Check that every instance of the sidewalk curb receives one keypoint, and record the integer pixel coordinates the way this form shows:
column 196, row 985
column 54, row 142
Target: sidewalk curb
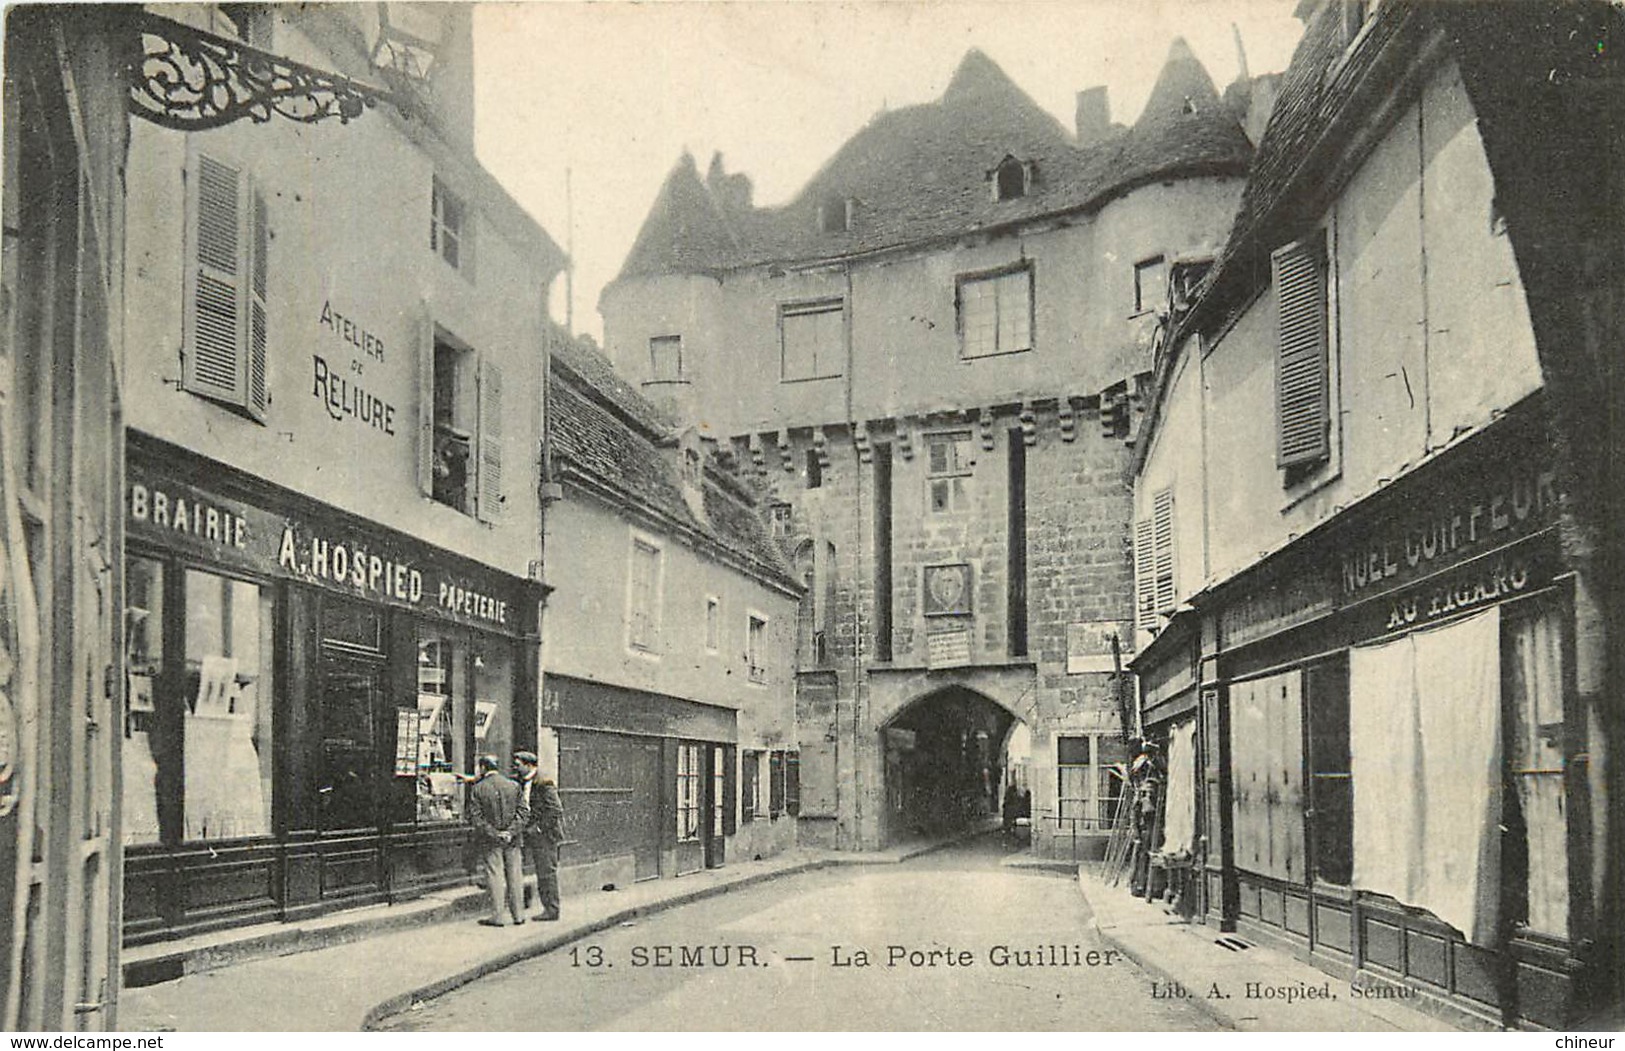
column 1147, row 962
column 402, row 1002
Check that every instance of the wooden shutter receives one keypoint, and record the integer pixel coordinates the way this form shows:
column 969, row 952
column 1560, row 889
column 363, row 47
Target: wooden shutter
column 730, row 789
column 1162, row 516
column 1301, row 397
column 1145, row 603
column 214, row 359
column 425, row 400
column 490, row 450
column 259, row 264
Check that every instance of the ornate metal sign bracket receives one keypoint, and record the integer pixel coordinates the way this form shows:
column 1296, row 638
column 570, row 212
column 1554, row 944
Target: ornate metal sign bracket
column 189, row 80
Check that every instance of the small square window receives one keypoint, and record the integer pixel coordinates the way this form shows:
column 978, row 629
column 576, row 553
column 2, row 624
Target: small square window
column 779, row 517
column 665, row 359
column 949, row 463
column 1150, row 284
column 996, row 312
column 713, row 623
column 812, row 340
column 447, row 225
column 756, row 648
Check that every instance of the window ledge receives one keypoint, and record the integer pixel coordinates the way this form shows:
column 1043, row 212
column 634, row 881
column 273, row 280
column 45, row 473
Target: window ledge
column 810, row 379
column 1304, row 490
column 679, row 382
column 966, row 359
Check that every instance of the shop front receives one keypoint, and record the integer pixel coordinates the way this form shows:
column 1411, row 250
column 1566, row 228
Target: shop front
column 647, row 781
column 302, row 689
column 1403, row 772
column 1168, row 777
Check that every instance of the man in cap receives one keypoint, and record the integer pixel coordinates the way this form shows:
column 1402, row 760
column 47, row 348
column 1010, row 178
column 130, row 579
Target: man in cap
column 542, row 818
column 495, row 813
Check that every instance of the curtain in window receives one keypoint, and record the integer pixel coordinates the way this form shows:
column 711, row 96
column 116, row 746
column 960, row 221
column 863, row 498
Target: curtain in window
column 1534, row 683
column 1179, row 823
column 1425, row 725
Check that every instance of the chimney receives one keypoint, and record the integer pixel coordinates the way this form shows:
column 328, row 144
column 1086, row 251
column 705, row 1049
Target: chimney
column 1093, row 115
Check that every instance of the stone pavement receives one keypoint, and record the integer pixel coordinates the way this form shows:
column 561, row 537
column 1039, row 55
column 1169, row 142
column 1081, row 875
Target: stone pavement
column 349, row 970
column 1188, row 959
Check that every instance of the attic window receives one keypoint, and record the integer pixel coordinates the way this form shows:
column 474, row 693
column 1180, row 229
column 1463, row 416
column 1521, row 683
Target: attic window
column 1188, row 106
column 835, row 215
column 1011, row 179
column 693, row 467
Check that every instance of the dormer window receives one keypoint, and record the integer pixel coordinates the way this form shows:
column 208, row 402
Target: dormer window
column 1011, row 179
column 835, row 214
column 693, row 467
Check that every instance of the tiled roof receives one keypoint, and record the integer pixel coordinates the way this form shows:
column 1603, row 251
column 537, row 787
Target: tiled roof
column 1289, row 173
column 617, row 441
column 920, row 173
column 578, row 356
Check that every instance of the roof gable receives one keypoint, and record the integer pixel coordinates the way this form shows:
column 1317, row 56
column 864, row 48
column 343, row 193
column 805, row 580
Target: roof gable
column 920, row 173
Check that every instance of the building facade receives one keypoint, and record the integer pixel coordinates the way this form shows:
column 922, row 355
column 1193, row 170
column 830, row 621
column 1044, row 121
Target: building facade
column 930, row 359
column 61, row 528
column 1366, row 636
column 336, row 370
column 669, row 693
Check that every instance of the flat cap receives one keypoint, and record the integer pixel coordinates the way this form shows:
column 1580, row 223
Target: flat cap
column 526, row 757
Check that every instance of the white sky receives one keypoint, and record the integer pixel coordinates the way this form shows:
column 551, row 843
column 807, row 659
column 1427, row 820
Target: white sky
column 615, row 91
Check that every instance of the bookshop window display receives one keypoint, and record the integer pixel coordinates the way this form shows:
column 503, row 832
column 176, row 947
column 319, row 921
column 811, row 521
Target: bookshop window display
column 465, row 709
column 199, row 688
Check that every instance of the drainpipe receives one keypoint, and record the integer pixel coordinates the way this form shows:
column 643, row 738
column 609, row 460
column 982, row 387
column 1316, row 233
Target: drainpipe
column 860, row 687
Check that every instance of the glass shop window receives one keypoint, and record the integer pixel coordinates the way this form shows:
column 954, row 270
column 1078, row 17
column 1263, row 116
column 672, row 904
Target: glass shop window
column 228, row 697
column 443, row 745
column 144, row 659
column 465, row 709
column 688, row 792
column 493, row 698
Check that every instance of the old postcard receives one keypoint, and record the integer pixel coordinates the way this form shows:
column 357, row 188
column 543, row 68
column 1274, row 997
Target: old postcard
column 692, row 517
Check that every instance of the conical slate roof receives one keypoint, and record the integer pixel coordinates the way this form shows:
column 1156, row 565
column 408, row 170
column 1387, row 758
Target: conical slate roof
column 922, row 173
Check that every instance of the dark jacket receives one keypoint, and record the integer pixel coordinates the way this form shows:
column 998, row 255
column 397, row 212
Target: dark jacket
column 494, row 808
column 543, row 816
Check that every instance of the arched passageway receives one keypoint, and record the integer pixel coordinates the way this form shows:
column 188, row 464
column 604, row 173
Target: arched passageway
column 945, row 762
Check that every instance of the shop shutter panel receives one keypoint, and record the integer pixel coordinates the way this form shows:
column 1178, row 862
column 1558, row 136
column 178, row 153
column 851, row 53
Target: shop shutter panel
column 730, row 790
column 1301, row 370
column 1162, row 514
column 1145, row 604
column 258, row 391
column 792, row 783
column 425, row 400
column 214, row 289
column 490, row 452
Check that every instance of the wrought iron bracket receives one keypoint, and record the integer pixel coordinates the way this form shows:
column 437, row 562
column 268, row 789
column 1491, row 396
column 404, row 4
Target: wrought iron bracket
column 189, row 80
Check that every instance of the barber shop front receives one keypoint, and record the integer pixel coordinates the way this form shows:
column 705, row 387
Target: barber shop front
column 1405, row 787
column 302, row 687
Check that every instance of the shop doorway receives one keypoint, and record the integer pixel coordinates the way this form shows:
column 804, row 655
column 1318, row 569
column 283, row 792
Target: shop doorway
column 693, row 819
column 716, row 805
column 349, row 771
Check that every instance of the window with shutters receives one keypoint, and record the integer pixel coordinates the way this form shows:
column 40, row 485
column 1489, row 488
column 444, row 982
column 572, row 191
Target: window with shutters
column 462, row 428
column 1154, row 591
column 1302, row 382
column 643, row 597
column 1150, row 284
column 226, row 317
column 812, row 340
column 995, row 311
